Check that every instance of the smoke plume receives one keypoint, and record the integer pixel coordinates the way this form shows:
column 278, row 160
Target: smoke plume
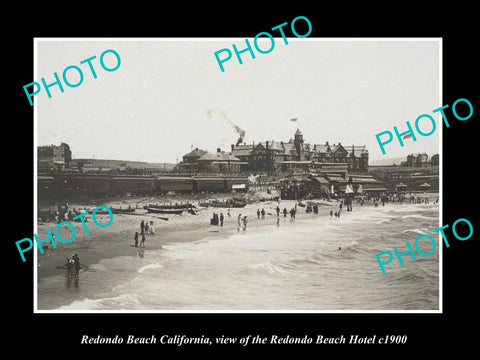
column 222, row 115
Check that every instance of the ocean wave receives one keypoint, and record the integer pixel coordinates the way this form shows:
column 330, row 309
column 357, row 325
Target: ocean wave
column 419, row 231
column 149, row 266
column 388, row 221
column 126, row 301
column 275, row 269
column 418, row 216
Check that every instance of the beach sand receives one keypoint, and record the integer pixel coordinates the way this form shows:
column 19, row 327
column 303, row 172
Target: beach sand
column 118, row 238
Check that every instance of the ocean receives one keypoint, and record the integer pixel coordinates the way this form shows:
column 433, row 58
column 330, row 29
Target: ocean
column 314, row 263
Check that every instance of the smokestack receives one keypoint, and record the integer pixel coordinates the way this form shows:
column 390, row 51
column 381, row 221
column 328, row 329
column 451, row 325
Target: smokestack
column 233, row 147
column 218, row 150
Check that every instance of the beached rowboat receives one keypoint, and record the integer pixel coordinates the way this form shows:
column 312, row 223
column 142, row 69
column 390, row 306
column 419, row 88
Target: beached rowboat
column 226, row 203
column 170, row 206
column 120, row 210
column 164, row 211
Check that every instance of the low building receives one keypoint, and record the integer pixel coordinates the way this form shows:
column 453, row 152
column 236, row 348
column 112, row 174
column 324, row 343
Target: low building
column 418, row 160
column 190, row 160
column 219, row 162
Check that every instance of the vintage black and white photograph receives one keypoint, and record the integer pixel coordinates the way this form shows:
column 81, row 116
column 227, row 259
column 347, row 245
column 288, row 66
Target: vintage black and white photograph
column 169, row 185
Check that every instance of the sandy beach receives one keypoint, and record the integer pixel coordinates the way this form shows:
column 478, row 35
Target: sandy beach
column 189, row 264
column 118, row 238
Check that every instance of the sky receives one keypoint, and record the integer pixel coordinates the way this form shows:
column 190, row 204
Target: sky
column 169, row 95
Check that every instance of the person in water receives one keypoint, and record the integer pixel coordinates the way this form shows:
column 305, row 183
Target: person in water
column 76, row 264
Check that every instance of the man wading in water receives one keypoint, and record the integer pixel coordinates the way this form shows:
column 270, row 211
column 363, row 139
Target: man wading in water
column 76, row 264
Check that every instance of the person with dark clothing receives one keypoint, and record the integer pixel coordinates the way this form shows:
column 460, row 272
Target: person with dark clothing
column 263, row 213
column 142, row 227
column 136, row 238
column 258, row 213
column 221, row 219
column 278, row 211
column 284, row 212
column 142, row 243
column 76, row 263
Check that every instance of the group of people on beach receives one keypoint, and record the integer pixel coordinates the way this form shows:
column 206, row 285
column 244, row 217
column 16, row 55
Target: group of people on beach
column 216, row 219
column 72, row 265
column 293, row 211
column 145, row 228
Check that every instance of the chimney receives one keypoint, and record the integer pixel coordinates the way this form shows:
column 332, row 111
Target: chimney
column 326, row 143
column 218, row 150
column 233, row 147
column 267, row 144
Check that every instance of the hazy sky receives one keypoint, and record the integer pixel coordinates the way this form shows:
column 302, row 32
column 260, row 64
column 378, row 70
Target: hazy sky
column 170, row 94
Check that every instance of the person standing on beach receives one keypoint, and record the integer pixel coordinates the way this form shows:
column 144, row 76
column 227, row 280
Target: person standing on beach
column 146, row 227
column 142, row 243
column 284, row 212
column 136, row 238
column 258, row 213
column 278, row 211
column 152, row 229
column 245, row 223
column 263, row 213
column 141, row 227
column 221, row 219
column 239, row 220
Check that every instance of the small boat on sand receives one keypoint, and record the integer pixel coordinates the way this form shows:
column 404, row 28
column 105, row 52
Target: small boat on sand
column 177, row 206
column 164, row 211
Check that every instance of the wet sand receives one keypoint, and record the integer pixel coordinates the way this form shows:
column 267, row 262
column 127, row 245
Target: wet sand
column 118, row 238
